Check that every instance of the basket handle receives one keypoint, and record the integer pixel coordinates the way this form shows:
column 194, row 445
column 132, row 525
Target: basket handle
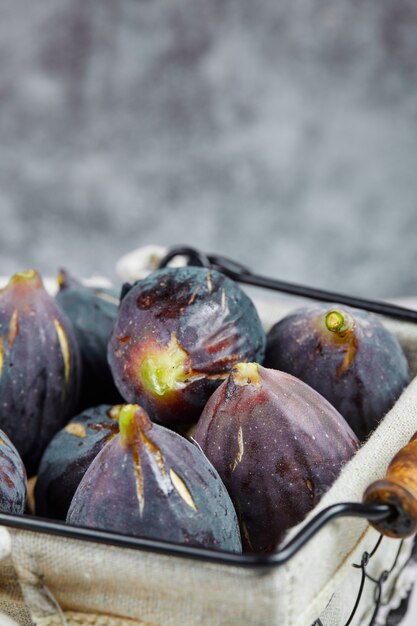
column 399, row 490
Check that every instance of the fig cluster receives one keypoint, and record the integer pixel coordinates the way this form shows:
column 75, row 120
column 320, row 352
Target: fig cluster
column 96, row 389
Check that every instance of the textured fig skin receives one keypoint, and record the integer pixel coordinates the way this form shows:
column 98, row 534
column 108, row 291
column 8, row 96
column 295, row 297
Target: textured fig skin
column 205, row 316
column 40, row 373
column 92, row 312
column 132, row 490
column 68, row 456
column 278, row 446
column 13, row 483
column 362, row 374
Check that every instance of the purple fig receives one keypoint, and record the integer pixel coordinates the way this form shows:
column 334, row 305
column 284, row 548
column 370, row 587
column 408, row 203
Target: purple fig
column 13, row 483
column 68, row 456
column 92, row 312
column 177, row 335
column 151, row 482
column 277, row 445
column 347, row 355
column 39, row 366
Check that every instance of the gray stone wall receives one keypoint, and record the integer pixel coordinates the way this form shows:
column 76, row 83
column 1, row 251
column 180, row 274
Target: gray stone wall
column 283, row 134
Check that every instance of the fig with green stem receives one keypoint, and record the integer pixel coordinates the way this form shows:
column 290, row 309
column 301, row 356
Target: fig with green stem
column 347, row 355
column 177, row 335
column 149, row 481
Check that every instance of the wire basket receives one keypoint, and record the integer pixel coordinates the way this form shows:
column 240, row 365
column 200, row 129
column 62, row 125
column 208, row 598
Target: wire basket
column 347, row 574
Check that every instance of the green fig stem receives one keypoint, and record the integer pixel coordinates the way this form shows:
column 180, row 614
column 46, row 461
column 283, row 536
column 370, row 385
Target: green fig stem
column 338, row 321
column 133, row 420
column 166, row 368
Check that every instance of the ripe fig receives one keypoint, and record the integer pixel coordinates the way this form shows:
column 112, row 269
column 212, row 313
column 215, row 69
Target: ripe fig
column 277, row 445
column 347, row 355
column 68, row 456
column 92, row 312
column 13, row 483
column 177, row 335
column 39, row 366
column 151, row 482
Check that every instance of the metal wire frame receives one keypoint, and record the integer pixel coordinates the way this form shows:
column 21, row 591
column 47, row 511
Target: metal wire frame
column 378, row 582
column 370, row 512
column 252, row 561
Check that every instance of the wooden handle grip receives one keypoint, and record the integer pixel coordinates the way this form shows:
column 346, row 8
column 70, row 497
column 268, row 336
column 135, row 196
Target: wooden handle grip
column 398, row 489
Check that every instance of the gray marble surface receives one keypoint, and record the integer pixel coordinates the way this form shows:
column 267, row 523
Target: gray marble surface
column 282, row 134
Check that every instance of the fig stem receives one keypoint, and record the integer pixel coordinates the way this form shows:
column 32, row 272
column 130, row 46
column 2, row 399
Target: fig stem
column 338, row 321
column 246, row 374
column 23, row 278
column 166, row 368
column 133, row 420
column 27, row 275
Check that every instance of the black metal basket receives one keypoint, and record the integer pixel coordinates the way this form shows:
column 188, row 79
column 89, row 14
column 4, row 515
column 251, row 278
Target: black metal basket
column 373, row 513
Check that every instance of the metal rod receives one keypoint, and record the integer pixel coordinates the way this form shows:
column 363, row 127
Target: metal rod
column 242, row 274
column 374, row 306
column 257, row 561
column 348, row 509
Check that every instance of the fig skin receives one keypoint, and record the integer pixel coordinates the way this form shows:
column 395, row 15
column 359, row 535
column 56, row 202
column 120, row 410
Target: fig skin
column 177, row 335
column 151, row 482
column 92, row 312
column 13, row 482
column 40, row 366
column 277, row 445
column 351, row 359
column 68, row 456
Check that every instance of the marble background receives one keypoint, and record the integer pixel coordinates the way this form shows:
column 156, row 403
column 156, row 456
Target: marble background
column 282, row 134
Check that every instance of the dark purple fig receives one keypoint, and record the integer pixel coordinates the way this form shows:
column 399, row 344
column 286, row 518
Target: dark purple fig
column 13, row 484
column 68, row 456
column 151, row 482
column 92, row 312
column 177, row 335
column 277, row 445
column 347, row 355
column 39, row 366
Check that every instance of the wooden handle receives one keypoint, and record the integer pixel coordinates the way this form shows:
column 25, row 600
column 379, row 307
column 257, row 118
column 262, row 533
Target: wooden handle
column 398, row 489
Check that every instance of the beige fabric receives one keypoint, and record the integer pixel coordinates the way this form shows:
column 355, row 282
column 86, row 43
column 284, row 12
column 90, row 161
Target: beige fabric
column 60, row 577
column 5, row 620
column 11, row 598
column 71, row 618
column 91, row 578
